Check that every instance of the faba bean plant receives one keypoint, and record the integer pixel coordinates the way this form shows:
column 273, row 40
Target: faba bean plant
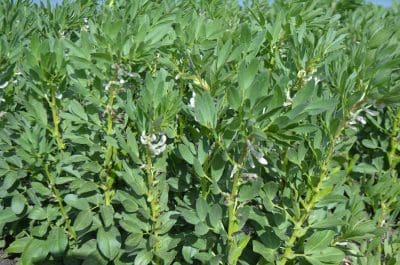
column 200, row 132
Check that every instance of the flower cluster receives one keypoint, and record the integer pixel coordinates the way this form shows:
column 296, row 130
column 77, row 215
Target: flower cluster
column 358, row 118
column 156, row 146
column 259, row 156
column 122, row 75
column 85, row 26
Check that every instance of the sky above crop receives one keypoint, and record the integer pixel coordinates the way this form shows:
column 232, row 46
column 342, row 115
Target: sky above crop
column 381, row 2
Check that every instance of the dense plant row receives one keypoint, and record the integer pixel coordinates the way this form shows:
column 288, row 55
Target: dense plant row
column 200, row 132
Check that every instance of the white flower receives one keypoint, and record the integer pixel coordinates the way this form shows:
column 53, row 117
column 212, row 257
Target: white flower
column 151, row 141
column 361, row 120
column 317, row 80
column 380, row 105
column 259, row 156
column 2, row 113
column 133, row 75
column 192, row 101
column 109, row 84
column 372, row 112
column 4, row 85
column 308, row 78
column 59, row 96
column 289, row 99
column 357, row 118
column 250, row 176
column 234, row 170
column 301, row 74
column 251, row 162
column 120, row 73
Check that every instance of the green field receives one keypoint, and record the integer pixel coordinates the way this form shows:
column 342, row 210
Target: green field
column 199, row 132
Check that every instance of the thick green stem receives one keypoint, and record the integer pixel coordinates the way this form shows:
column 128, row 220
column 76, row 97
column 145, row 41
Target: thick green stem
column 153, row 198
column 57, row 195
column 232, row 207
column 110, row 150
column 393, row 158
column 56, row 122
column 312, row 198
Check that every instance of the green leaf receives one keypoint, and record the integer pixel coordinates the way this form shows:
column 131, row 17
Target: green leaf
column 201, row 229
column 132, row 145
column 18, row 203
column 58, row 241
column 235, row 97
column 107, row 215
column 319, row 240
column 205, row 111
column 190, row 216
column 18, row 245
column 35, row 251
column 247, row 74
column 304, row 95
column 8, row 181
column 78, row 203
column 109, row 242
column 76, row 108
column 133, row 179
column 380, row 37
column 234, row 255
column 223, row 53
column 37, row 109
column 188, row 253
column 185, row 153
column 144, row 257
column 321, row 105
column 201, row 208
column 370, row 144
column 37, row 213
column 217, row 167
column 215, row 215
column 328, row 255
column 249, row 191
column 83, row 220
column 268, row 254
column 365, row 168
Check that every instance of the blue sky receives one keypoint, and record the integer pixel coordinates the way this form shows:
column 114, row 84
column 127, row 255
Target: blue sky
column 381, row 2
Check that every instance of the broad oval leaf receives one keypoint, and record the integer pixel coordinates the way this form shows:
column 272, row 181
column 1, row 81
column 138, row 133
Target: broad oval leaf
column 109, row 242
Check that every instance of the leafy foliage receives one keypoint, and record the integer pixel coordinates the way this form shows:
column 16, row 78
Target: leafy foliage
column 200, row 132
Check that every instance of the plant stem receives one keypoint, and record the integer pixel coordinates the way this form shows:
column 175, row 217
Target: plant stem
column 56, row 121
column 57, row 195
column 393, row 158
column 110, row 150
column 232, row 208
column 153, row 197
column 312, row 198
